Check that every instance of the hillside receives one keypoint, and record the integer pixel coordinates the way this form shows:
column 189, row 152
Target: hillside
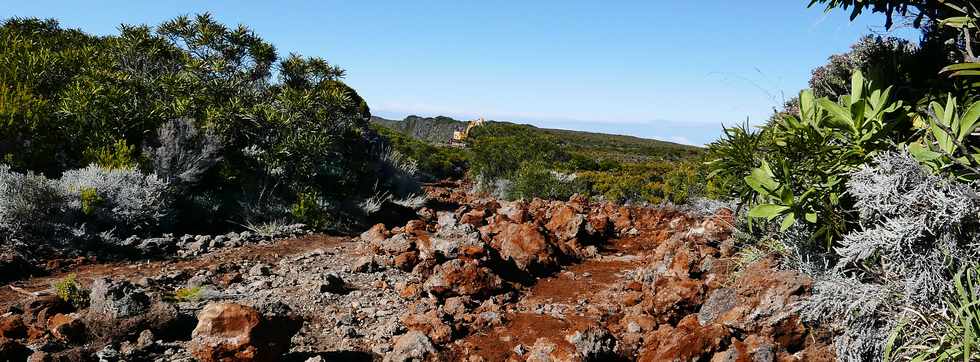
column 620, row 148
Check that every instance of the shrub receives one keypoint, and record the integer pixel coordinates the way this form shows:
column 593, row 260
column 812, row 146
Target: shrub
column 917, row 232
column 29, row 203
column 71, row 291
column 130, row 200
column 534, row 179
column 182, row 153
column 188, row 294
column 117, row 155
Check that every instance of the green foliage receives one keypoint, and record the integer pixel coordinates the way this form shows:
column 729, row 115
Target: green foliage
column 116, row 155
column 954, row 336
column 69, row 99
column 948, row 146
column 733, row 157
column 652, row 182
column 535, row 179
column 499, row 149
column 310, row 209
column 437, row 162
column 814, row 151
column 90, row 200
column 188, row 294
column 71, row 291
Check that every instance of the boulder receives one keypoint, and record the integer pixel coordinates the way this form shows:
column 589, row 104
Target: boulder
column 452, row 241
column 395, row 245
column 232, row 332
column 67, row 327
column 365, row 264
column 11, row 350
column 413, row 346
column 332, row 283
column 719, row 302
column 431, row 323
column 462, row 277
column 526, row 246
column 13, row 327
column 117, row 299
column 566, row 223
column 375, row 234
column 594, row 344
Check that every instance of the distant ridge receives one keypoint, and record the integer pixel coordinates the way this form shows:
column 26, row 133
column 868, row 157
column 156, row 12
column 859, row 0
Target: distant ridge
column 439, row 130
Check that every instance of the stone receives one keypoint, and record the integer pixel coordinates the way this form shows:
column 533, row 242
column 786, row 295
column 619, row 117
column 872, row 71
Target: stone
column 13, row 327
column 375, row 234
column 413, row 346
column 117, row 299
column 11, row 350
column 462, row 277
column 406, row 260
column 565, row 223
column 365, row 264
column 719, row 302
column 444, row 219
column 594, row 344
column 431, row 323
column 332, row 283
column 259, row 270
column 67, row 327
column 234, row 332
column 450, row 241
column 395, row 245
column 526, row 246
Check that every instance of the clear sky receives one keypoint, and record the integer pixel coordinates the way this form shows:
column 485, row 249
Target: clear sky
column 671, row 70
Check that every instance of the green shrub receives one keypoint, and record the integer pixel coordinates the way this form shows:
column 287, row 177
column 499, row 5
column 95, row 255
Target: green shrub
column 116, row 155
column 69, row 290
column 90, row 199
column 535, row 179
column 188, row 294
column 803, row 173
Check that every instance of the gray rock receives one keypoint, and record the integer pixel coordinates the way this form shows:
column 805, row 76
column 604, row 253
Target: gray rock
column 413, row 346
column 117, row 299
column 445, row 218
column 259, row 270
column 720, row 300
column 594, row 344
column 332, row 283
column 397, row 244
column 448, row 241
column 365, row 264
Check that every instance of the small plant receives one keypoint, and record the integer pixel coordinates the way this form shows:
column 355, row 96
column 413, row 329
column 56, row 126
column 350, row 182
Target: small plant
column 115, row 156
column 90, row 200
column 188, row 294
column 268, row 229
column 69, row 290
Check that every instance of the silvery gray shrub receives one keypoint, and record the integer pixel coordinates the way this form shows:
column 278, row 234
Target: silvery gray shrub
column 27, row 202
column 130, row 200
column 917, row 228
column 182, row 153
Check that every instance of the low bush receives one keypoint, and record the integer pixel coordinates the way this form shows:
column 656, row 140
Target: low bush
column 71, row 291
column 535, row 179
column 122, row 198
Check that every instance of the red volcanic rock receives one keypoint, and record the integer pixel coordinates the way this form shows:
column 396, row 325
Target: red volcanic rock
column 566, row 223
column 376, row 234
column 473, row 217
column 686, row 342
column 406, row 261
column 431, row 323
column 673, row 295
column 67, row 327
column 232, row 332
column 462, row 277
column 13, row 327
column 526, row 245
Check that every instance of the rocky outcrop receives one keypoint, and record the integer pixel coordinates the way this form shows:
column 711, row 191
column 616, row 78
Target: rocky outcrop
column 232, row 332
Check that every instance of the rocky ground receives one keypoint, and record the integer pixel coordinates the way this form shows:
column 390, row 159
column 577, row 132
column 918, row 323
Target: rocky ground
column 470, row 279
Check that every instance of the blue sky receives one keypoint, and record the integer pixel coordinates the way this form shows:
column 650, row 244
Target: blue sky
column 671, row 70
